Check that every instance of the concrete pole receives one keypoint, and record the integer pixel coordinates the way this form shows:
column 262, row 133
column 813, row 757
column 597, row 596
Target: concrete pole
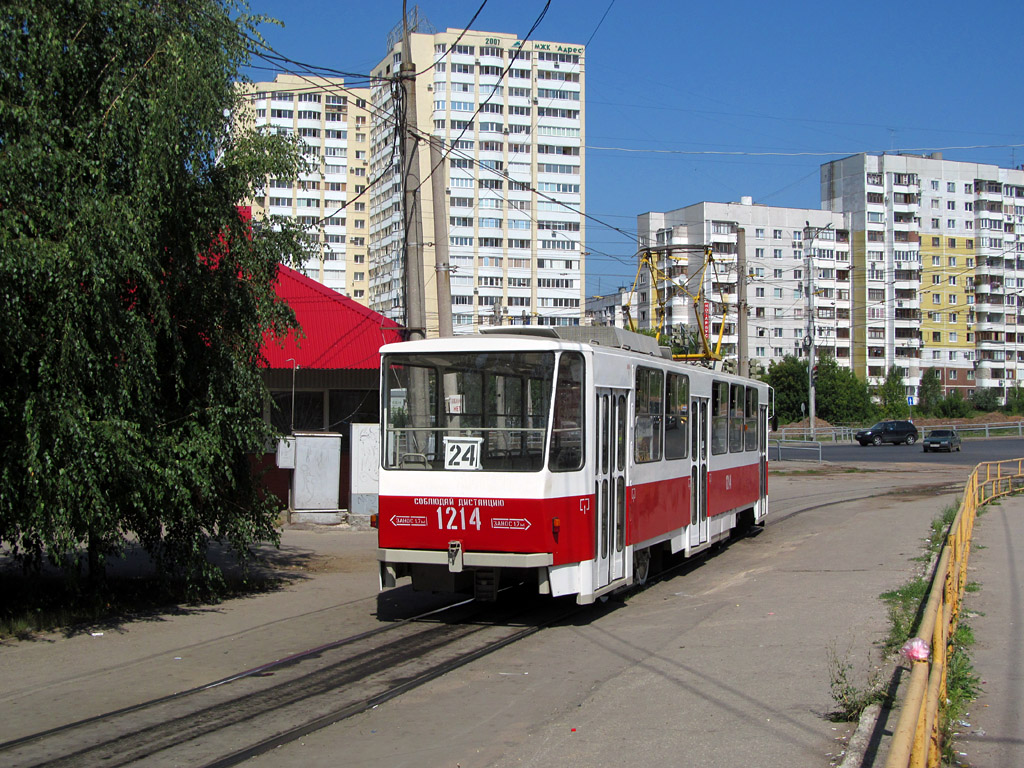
column 442, row 269
column 742, row 350
column 810, row 332
column 415, row 299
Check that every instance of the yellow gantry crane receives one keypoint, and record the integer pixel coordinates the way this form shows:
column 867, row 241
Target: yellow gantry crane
column 648, row 261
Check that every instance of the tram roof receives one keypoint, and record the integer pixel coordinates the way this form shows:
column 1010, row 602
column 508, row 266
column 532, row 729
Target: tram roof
column 542, row 337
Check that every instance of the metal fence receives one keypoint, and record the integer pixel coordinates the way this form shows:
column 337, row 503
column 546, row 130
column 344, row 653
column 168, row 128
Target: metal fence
column 800, row 446
column 845, row 434
column 916, row 740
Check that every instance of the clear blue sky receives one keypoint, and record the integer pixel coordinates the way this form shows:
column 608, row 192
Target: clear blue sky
column 741, row 76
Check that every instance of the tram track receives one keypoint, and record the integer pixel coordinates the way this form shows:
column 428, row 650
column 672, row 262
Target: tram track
column 230, row 720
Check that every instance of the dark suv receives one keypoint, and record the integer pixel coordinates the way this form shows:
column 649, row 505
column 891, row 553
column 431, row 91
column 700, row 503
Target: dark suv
column 888, row 432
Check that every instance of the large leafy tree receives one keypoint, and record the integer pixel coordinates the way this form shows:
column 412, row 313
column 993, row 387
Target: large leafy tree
column 892, row 395
column 788, row 377
column 841, row 398
column 930, row 391
column 135, row 297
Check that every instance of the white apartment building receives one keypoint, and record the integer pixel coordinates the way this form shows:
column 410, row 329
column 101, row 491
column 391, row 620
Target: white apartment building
column 938, row 256
column 332, row 122
column 611, row 309
column 511, row 117
column 798, row 276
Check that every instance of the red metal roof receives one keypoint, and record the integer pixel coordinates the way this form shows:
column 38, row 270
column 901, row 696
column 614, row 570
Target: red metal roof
column 339, row 332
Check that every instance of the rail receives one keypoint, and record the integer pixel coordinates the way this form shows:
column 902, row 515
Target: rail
column 796, row 445
column 916, row 740
column 845, row 434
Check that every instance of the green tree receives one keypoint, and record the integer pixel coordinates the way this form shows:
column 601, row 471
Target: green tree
column 953, row 406
column 929, row 393
column 841, row 398
column 1014, row 400
column 788, row 377
column 892, row 395
column 135, row 297
column 985, row 400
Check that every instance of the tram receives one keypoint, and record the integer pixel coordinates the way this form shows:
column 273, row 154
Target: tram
column 573, row 456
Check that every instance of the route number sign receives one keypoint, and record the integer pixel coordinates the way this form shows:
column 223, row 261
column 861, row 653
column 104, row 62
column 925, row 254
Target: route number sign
column 462, row 452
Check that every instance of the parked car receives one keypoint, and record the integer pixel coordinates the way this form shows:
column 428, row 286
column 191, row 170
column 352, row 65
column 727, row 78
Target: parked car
column 888, row 432
column 941, row 440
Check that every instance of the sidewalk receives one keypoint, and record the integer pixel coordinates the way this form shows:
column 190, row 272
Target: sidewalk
column 992, row 735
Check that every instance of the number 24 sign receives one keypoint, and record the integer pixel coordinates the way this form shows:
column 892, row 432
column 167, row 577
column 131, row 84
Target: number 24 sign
column 462, row 452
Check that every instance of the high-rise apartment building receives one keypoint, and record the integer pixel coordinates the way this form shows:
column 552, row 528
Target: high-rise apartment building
column 333, row 124
column 798, row 276
column 938, row 257
column 510, row 115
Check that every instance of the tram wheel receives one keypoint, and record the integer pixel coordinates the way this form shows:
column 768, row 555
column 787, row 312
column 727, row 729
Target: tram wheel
column 641, row 565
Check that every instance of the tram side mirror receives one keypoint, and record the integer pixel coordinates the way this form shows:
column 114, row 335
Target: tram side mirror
column 775, row 423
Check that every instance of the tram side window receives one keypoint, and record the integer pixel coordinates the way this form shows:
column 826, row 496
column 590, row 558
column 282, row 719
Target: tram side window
column 719, row 417
column 650, row 409
column 677, row 399
column 736, row 422
column 411, row 406
column 751, row 419
column 566, row 452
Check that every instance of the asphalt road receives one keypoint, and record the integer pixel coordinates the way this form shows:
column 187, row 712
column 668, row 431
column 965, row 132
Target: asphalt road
column 975, row 451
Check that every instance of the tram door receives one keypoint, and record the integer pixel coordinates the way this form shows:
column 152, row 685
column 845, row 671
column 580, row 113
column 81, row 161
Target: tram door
column 762, row 459
column 610, row 492
column 700, row 446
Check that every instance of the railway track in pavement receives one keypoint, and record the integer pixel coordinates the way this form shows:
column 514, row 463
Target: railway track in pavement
column 228, row 721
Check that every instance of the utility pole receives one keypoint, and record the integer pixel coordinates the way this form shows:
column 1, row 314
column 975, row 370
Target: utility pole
column 415, row 299
column 742, row 350
column 442, row 269
column 809, row 338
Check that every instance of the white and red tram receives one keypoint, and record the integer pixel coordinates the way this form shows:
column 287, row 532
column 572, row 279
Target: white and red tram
column 526, row 453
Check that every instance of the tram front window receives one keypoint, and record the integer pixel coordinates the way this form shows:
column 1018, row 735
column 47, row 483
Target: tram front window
column 467, row 411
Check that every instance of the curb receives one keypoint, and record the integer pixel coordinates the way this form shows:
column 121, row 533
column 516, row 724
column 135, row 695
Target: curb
column 861, row 738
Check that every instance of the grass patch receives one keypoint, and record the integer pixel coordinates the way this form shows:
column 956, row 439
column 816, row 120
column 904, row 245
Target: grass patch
column 972, row 586
column 904, row 605
column 851, row 698
column 940, row 527
column 962, row 687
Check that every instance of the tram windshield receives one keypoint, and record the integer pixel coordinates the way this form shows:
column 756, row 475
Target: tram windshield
column 481, row 411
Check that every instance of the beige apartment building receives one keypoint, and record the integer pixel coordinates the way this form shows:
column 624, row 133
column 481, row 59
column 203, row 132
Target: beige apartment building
column 510, row 115
column 330, row 199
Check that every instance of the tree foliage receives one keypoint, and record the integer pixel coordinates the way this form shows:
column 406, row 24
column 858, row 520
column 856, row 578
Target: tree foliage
column 892, row 395
column 840, row 397
column 135, row 299
column 985, row 399
column 788, row 377
column 929, row 392
column 1014, row 400
column 953, row 406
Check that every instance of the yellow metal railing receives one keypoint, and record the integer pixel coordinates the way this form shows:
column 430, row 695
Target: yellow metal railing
column 916, row 739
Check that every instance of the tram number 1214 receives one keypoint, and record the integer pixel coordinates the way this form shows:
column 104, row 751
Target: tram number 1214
column 456, row 518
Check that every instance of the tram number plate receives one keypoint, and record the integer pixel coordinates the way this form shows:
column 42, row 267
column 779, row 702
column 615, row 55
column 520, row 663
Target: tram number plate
column 452, row 519
column 462, row 452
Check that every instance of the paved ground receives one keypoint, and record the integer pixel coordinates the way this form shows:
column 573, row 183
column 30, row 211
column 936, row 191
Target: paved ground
column 727, row 664
column 993, row 731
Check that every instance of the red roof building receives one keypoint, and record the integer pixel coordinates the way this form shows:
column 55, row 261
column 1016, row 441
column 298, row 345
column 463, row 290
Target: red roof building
column 322, row 380
column 337, row 332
